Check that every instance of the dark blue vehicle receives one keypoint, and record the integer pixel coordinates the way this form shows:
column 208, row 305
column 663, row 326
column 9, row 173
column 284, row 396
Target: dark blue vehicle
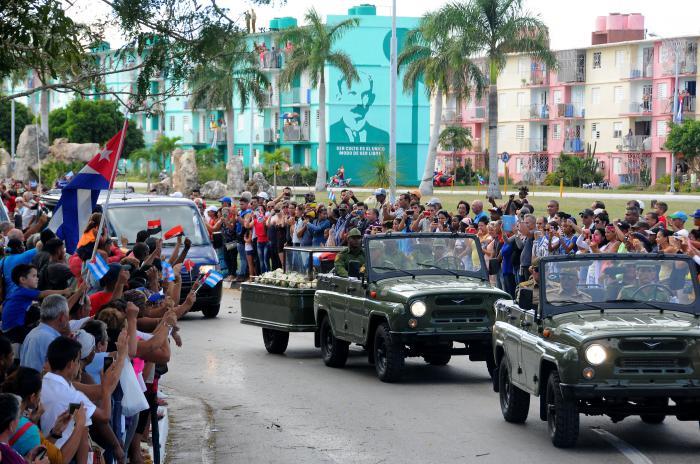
column 128, row 214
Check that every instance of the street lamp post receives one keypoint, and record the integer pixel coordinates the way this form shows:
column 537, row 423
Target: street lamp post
column 392, row 105
column 676, row 45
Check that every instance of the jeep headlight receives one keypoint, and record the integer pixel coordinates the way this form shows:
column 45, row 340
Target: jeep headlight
column 418, row 308
column 596, row 354
column 203, row 269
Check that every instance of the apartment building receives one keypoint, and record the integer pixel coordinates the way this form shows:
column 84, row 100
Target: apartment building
column 614, row 97
column 357, row 116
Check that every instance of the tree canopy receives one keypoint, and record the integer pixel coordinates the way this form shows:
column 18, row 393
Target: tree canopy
column 685, row 138
column 93, row 121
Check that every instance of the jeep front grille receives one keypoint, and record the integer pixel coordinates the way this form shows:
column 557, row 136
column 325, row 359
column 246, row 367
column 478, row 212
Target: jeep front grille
column 475, row 316
column 459, row 300
column 653, row 365
column 652, row 344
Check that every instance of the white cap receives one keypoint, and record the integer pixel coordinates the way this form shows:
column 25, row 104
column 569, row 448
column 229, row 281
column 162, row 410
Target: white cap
column 211, row 209
column 641, row 203
column 597, row 211
column 176, row 194
column 87, row 343
column 263, row 195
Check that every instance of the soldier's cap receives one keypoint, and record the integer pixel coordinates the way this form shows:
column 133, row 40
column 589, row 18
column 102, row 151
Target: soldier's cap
column 569, row 268
column 354, row 232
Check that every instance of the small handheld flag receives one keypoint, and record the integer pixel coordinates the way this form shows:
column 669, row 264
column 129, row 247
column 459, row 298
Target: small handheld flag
column 98, row 267
column 174, row 232
column 331, row 195
column 168, row 272
column 189, row 265
column 154, row 227
column 212, row 278
column 482, row 181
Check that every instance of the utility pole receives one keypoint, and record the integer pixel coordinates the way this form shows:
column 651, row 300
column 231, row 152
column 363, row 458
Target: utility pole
column 392, row 105
column 250, row 142
column 12, row 135
column 676, row 46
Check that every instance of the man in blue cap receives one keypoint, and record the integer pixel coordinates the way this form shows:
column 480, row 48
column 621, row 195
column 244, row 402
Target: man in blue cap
column 226, row 202
column 678, row 223
column 696, row 218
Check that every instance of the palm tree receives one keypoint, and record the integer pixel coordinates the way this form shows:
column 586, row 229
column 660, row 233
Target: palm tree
column 165, row 146
column 433, row 56
column 312, row 51
column 275, row 160
column 149, row 156
column 233, row 73
column 496, row 28
column 456, row 138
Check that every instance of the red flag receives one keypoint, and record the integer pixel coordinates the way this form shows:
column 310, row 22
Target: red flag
column 103, row 163
column 174, row 232
column 154, row 226
column 189, row 265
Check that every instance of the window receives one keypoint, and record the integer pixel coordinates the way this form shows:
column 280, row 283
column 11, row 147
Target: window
column 318, row 118
column 661, row 127
column 618, row 93
column 620, row 57
column 521, row 98
column 617, row 130
column 595, row 130
column 520, row 165
column 277, row 123
column 240, row 152
column 519, row 132
column 662, row 90
column 556, row 95
column 556, row 131
column 186, row 124
column 202, row 127
column 596, row 60
column 307, row 116
column 617, row 165
column 595, row 95
column 171, row 123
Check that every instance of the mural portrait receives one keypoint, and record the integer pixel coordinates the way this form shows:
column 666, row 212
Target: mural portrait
column 354, row 125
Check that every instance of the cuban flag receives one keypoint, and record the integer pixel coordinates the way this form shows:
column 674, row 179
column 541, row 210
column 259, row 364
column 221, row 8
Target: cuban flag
column 679, row 115
column 212, row 278
column 482, row 181
column 79, row 197
column 168, row 272
column 98, row 267
column 331, row 195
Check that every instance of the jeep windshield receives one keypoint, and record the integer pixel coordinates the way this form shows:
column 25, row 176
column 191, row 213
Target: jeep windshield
column 622, row 281
column 129, row 219
column 424, row 254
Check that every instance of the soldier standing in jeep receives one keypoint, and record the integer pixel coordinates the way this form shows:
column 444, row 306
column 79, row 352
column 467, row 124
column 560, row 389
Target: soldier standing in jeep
column 352, row 254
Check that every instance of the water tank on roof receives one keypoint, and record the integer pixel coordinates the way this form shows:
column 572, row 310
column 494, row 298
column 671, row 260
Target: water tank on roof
column 352, row 11
column 615, row 22
column 274, row 24
column 600, row 23
column 366, row 9
column 635, row 21
column 286, row 22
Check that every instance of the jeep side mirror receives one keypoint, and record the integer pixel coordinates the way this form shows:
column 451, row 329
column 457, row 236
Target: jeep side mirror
column 525, row 298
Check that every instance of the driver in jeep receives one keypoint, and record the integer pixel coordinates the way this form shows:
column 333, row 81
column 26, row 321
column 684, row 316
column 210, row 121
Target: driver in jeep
column 568, row 287
column 647, row 287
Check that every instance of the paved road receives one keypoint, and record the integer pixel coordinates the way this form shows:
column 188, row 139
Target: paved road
column 231, row 402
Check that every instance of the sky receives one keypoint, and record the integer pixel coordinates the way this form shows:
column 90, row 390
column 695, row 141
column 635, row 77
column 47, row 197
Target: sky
column 570, row 21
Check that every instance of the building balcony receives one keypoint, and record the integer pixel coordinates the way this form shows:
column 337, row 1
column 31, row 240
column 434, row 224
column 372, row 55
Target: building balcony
column 569, row 110
column 271, row 60
column 663, row 105
column 295, row 133
column 450, row 116
column 534, row 111
column 266, row 135
column 636, row 108
column 634, row 143
column 294, row 97
column 474, row 113
column 689, row 104
column 574, row 145
column 476, row 146
column 534, row 144
column 639, row 73
column 150, row 137
column 537, row 76
column 270, row 100
column 208, row 136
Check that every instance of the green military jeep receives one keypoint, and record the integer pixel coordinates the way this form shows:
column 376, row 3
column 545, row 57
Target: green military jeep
column 614, row 334
column 417, row 295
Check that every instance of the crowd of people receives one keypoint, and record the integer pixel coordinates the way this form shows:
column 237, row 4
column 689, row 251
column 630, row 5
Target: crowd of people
column 250, row 236
column 82, row 352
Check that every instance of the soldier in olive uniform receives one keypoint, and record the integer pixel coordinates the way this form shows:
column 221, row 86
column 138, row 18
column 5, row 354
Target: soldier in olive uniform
column 352, row 254
column 533, row 283
column 647, row 287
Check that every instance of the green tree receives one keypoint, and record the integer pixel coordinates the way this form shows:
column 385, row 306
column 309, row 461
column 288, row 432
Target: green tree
column 494, row 29
column 232, row 74
column 456, row 139
column 276, row 160
column 164, row 147
column 432, row 56
column 148, row 156
column 22, row 117
column 90, row 121
column 313, row 50
column 685, row 139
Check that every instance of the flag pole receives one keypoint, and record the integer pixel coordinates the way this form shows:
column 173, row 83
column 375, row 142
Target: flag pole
column 109, row 189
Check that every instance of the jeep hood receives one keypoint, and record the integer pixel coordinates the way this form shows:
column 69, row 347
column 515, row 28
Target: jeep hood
column 584, row 325
column 402, row 289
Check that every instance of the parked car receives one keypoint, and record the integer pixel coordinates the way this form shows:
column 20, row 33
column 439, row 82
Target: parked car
column 626, row 345
column 128, row 214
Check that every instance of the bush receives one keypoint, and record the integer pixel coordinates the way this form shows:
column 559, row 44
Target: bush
column 53, row 170
column 294, row 176
column 552, row 178
column 663, row 184
column 211, row 172
column 628, row 187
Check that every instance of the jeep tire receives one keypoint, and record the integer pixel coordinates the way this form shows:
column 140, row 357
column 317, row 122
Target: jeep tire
column 333, row 351
column 439, row 356
column 515, row 403
column 655, row 419
column 389, row 355
column 562, row 415
column 210, row 312
column 276, row 341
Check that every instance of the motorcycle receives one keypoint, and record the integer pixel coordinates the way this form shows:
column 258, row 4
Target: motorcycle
column 338, row 182
column 442, row 180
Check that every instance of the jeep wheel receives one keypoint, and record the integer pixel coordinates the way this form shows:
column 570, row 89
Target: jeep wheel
column 491, row 367
column 210, row 311
column 562, row 415
column 333, row 351
column 437, row 359
column 515, row 403
column 276, row 341
column 388, row 355
column 655, row 419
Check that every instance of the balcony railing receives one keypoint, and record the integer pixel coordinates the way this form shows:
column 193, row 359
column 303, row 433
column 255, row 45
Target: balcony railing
column 150, row 137
column 270, row 100
column 689, row 104
column 570, row 110
column 634, row 143
column 271, row 60
column 448, row 116
column 536, row 144
column 474, row 112
column 574, row 145
column 641, row 72
column 537, row 75
column 534, row 111
column 296, row 133
column 266, row 135
column 636, row 107
column 476, row 146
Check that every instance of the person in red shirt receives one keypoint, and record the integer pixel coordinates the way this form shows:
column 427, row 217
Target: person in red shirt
column 112, row 285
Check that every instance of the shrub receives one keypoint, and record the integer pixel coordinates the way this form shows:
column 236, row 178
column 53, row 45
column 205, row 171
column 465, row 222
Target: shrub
column 552, row 178
column 216, row 171
column 53, row 170
column 294, row 176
